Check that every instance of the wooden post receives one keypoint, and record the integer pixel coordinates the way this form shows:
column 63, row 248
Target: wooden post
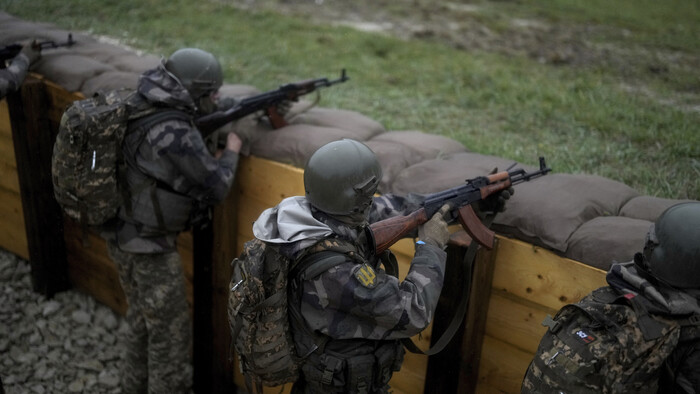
column 443, row 368
column 202, row 312
column 213, row 251
column 475, row 323
column 33, row 137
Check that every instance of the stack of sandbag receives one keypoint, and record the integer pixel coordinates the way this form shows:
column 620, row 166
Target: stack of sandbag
column 587, row 218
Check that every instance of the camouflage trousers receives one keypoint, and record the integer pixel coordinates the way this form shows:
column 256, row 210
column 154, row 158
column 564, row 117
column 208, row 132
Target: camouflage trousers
column 156, row 345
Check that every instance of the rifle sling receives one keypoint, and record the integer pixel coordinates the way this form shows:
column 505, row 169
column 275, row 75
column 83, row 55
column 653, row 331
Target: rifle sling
column 461, row 311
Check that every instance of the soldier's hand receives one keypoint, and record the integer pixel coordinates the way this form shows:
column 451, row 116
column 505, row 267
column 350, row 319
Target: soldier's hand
column 496, row 202
column 434, row 231
column 284, row 107
column 31, row 51
column 233, row 142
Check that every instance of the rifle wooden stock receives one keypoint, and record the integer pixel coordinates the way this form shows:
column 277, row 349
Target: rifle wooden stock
column 387, row 232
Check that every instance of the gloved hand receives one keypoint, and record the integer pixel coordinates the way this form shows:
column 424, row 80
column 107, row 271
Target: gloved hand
column 495, row 202
column 283, row 107
column 434, row 231
column 32, row 53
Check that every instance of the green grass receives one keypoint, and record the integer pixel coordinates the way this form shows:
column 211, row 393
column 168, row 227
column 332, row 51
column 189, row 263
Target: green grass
column 584, row 120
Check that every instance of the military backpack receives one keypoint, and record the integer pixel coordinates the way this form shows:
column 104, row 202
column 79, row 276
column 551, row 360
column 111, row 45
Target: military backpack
column 605, row 343
column 259, row 309
column 87, row 154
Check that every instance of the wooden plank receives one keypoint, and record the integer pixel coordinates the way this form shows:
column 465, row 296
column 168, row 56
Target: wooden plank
column 475, row 322
column 8, row 166
column 516, row 321
column 33, row 140
column 536, row 274
column 269, row 181
column 91, row 270
column 5, row 125
column 499, row 374
column 12, row 235
column 59, row 99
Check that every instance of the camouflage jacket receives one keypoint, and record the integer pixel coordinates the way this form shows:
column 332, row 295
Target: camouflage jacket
column 681, row 372
column 174, row 158
column 11, row 77
column 354, row 300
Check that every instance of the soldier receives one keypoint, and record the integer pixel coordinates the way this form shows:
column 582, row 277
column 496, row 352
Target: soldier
column 11, row 77
column 351, row 315
column 667, row 276
column 651, row 310
column 171, row 176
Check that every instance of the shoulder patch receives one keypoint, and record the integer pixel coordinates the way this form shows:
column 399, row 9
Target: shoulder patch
column 366, row 276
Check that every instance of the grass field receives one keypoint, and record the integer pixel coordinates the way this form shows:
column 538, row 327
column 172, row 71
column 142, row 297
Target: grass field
column 598, row 87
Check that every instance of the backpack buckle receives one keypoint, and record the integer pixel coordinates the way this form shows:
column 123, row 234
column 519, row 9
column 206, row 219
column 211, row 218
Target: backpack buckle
column 331, row 365
column 552, row 324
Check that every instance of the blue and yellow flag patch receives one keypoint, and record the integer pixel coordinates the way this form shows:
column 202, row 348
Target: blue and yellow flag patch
column 366, row 276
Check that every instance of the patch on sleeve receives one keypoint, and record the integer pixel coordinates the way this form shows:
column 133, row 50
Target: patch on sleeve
column 366, row 275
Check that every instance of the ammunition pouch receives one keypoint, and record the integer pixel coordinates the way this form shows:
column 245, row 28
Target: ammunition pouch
column 332, row 372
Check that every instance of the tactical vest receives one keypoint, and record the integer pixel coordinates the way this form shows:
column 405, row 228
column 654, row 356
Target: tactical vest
column 148, row 198
column 339, row 366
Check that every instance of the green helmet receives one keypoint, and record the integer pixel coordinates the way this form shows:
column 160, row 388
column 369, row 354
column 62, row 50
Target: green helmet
column 341, row 177
column 672, row 250
column 198, row 71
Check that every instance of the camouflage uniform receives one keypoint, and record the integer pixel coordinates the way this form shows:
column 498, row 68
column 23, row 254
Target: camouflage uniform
column 169, row 172
column 11, row 77
column 354, row 309
column 681, row 370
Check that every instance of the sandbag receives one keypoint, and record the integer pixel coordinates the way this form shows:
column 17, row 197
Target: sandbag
column 648, row 207
column 294, row 144
column 547, row 210
column 69, row 71
column 361, row 126
column 426, row 146
column 430, row 176
column 393, row 158
column 606, row 239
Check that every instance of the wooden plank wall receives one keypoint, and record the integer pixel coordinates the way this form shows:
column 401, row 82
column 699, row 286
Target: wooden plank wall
column 528, row 283
column 12, row 235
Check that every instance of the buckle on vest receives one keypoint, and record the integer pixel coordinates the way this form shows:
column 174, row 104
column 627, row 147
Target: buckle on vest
column 331, row 365
column 694, row 320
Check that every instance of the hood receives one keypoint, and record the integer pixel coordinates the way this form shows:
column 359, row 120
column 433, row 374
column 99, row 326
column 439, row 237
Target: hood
column 289, row 222
column 162, row 88
column 659, row 298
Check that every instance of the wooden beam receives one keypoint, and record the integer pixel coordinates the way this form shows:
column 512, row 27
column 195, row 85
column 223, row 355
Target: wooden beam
column 33, row 139
column 475, row 323
column 443, row 368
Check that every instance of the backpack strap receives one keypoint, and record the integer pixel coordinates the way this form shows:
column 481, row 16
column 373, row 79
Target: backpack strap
column 309, row 266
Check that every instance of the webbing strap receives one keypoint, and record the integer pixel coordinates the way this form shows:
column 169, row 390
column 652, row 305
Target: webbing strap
column 461, row 311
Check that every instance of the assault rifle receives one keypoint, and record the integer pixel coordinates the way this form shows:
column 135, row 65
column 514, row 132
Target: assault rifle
column 10, row 51
column 267, row 101
column 386, row 232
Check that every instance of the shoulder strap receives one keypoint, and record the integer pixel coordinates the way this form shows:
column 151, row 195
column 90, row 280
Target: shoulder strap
column 159, row 115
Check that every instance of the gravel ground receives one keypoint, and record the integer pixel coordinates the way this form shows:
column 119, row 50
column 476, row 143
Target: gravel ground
column 62, row 345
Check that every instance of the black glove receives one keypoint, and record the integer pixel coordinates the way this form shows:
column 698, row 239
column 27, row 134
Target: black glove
column 496, row 202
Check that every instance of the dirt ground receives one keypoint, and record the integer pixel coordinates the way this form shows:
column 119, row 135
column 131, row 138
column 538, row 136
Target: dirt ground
column 459, row 24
